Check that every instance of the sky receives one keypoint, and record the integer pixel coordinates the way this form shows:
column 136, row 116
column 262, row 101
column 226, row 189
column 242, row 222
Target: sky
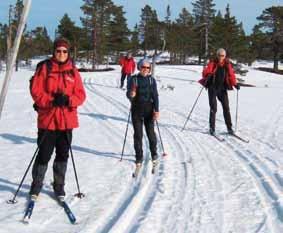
column 245, row 11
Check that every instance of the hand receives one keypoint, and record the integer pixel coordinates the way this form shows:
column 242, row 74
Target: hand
column 133, row 94
column 60, row 100
column 156, row 116
column 209, row 80
column 237, row 86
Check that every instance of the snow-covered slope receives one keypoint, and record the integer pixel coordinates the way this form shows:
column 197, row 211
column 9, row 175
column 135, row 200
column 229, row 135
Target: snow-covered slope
column 203, row 185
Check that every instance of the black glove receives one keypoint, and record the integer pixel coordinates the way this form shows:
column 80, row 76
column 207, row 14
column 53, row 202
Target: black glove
column 60, row 100
column 209, row 80
column 237, row 86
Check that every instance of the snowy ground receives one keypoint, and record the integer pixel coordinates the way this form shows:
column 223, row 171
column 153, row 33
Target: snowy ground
column 203, row 185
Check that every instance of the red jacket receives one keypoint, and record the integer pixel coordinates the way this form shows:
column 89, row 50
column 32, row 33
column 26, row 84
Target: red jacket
column 128, row 65
column 63, row 78
column 210, row 69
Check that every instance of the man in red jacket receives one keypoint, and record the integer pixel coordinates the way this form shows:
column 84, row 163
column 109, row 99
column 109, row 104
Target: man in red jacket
column 218, row 77
column 128, row 67
column 57, row 91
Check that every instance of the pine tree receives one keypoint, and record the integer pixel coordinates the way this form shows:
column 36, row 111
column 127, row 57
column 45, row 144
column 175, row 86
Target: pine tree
column 203, row 11
column 259, row 43
column 271, row 20
column 96, row 23
column 71, row 32
column 41, row 42
column 118, row 37
column 150, row 29
column 134, row 42
column 227, row 33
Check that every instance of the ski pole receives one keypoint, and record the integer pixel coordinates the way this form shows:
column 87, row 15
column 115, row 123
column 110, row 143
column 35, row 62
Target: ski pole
column 164, row 154
column 237, row 105
column 192, row 108
column 79, row 194
column 13, row 200
column 125, row 136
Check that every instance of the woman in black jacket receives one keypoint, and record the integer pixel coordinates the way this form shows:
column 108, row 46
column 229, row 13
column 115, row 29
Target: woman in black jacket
column 143, row 94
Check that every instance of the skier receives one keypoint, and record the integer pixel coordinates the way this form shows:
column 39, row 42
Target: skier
column 57, row 91
column 143, row 94
column 128, row 67
column 218, row 77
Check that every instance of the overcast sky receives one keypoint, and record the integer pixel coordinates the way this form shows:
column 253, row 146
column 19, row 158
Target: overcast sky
column 49, row 12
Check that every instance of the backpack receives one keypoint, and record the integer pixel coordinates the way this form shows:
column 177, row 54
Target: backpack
column 38, row 69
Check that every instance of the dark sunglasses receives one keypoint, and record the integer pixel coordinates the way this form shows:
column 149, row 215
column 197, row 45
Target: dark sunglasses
column 221, row 55
column 61, row 51
column 146, row 67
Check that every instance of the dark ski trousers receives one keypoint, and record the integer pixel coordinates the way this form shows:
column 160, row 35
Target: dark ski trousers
column 222, row 96
column 123, row 77
column 142, row 114
column 59, row 140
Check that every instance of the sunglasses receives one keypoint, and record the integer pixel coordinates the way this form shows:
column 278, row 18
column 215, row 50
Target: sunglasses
column 146, row 67
column 221, row 55
column 61, row 51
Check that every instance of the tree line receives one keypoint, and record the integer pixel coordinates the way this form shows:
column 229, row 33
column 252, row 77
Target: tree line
column 104, row 33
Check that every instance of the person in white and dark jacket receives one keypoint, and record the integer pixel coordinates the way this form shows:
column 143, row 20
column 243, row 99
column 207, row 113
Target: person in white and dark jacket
column 143, row 94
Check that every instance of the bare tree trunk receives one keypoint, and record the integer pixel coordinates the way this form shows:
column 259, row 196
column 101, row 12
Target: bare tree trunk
column 276, row 57
column 12, row 58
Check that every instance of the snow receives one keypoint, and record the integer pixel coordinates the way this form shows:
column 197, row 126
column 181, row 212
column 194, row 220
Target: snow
column 203, row 185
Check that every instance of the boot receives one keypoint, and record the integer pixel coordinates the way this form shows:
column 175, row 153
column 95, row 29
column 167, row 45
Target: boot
column 38, row 173
column 230, row 131
column 211, row 131
column 59, row 171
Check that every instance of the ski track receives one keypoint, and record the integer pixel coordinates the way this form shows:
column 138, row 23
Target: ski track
column 136, row 191
column 269, row 187
column 199, row 187
column 221, row 149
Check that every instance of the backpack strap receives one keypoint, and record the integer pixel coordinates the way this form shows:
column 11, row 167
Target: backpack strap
column 135, row 80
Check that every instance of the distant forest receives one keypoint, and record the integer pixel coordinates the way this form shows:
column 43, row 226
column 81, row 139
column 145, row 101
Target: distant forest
column 104, row 33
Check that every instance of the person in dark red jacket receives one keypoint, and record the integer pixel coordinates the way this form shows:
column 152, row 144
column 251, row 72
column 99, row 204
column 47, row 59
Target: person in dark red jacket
column 57, row 91
column 218, row 77
column 128, row 67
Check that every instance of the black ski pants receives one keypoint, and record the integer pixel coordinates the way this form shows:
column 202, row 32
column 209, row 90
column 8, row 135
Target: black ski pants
column 222, row 96
column 123, row 77
column 143, row 115
column 48, row 140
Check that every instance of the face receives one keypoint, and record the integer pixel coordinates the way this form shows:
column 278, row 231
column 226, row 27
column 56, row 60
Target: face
column 61, row 54
column 221, row 56
column 145, row 69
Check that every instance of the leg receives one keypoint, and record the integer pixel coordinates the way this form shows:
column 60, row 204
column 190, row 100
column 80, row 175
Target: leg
column 149, row 127
column 39, row 169
column 223, row 98
column 213, row 108
column 123, row 76
column 63, row 142
column 138, row 134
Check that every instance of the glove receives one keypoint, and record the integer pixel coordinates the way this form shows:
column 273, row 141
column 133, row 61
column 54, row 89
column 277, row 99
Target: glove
column 237, row 86
column 60, row 100
column 156, row 115
column 209, row 80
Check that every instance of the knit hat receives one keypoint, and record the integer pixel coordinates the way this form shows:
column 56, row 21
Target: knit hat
column 61, row 42
column 142, row 62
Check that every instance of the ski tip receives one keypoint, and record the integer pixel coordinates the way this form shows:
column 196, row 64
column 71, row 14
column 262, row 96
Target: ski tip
column 164, row 154
column 25, row 220
column 12, row 201
column 79, row 195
